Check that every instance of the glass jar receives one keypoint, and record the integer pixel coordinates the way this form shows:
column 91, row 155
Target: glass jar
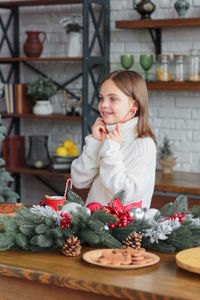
column 193, row 66
column 163, row 73
column 179, row 67
column 38, row 155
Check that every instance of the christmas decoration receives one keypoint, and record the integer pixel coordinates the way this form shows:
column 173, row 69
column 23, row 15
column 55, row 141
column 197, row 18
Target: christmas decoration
column 70, row 207
column 133, row 240
column 173, row 228
column 6, row 194
column 71, row 247
column 93, row 206
column 66, row 220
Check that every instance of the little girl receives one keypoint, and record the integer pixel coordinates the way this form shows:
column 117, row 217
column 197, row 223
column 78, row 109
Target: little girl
column 120, row 154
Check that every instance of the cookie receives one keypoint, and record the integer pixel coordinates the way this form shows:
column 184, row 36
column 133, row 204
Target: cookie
column 136, row 252
column 127, row 259
column 139, row 262
column 148, row 259
column 120, row 250
column 137, row 258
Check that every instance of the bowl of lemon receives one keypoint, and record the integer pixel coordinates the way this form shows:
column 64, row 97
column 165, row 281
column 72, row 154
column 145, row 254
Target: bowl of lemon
column 66, row 153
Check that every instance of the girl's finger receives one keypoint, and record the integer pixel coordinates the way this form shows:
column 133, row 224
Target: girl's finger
column 118, row 128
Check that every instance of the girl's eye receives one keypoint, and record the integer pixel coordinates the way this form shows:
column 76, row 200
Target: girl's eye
column 100, row 98
column 113, row 99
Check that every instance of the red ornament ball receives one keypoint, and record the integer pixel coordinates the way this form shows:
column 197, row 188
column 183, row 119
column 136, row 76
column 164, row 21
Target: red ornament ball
column 93, row 206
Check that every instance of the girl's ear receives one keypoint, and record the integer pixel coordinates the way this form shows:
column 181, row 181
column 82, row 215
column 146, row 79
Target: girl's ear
column 134, row 106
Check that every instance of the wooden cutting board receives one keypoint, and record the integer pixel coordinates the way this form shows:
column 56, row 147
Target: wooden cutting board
column 189, row 259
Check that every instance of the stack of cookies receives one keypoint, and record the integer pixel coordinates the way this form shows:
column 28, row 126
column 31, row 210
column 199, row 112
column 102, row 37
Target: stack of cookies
column 127, row 256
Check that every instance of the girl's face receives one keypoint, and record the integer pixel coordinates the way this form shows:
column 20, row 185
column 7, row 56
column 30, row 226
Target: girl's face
column 113, row 103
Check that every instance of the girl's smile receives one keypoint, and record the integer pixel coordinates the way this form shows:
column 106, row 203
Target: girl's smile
column 113, row 103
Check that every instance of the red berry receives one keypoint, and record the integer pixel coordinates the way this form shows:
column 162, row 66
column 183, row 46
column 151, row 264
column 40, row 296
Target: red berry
column 168, row 218
column 123, row 219
column 112, row 226
column 119, row 225
column 124, row 224
column 175, row 215
column 181, row 219
column 62, row 214
column 179, row 215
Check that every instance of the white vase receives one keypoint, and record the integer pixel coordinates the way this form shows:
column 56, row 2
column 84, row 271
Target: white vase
column 43, row 107
column 75, row 44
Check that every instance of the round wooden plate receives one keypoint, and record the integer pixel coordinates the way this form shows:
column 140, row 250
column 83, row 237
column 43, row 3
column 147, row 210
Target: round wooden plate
column 189, row 259
column 93, row 256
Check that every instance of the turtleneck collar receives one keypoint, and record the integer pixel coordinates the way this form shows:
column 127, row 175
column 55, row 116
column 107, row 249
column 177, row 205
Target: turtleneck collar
column 129, row 129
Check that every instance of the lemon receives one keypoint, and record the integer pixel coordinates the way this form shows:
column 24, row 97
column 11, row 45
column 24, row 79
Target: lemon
column 73, row 151
column 68, row 144
column 61, row 151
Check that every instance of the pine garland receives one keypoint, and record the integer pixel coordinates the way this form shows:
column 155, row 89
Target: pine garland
column 38, row 228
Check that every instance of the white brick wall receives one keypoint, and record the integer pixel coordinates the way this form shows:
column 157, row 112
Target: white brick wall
column 172, row 113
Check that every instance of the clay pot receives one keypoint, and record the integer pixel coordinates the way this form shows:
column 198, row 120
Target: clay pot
column 33, row 46
column 167, row 163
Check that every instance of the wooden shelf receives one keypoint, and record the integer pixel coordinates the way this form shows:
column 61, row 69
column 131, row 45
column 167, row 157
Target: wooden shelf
column 160, row 23
column 4, row 4
column 174, row 85
column 31, row 116
column 18, row 59
column 37, row 172
column 178, row 182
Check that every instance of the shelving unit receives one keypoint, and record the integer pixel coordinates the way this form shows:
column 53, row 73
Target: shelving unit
column 154, row 27
column 99, row 35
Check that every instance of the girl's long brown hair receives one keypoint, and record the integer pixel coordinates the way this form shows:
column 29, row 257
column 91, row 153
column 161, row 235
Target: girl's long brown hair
column 134, row 86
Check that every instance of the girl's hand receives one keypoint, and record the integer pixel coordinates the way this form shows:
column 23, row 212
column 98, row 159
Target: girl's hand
column 115, row 135
column 99, row 130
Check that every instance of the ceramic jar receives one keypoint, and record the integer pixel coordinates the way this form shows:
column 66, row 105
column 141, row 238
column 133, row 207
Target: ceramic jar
column 33, row 46
column 75, row 45
column 43, row 107
column 181, row 7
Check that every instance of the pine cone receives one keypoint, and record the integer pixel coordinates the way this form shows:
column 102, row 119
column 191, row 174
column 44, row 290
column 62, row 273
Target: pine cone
column 133, row 240
column 72, row 247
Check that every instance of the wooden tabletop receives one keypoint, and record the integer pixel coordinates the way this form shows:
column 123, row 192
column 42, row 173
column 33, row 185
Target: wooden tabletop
column 44, row 275
column 178, row 182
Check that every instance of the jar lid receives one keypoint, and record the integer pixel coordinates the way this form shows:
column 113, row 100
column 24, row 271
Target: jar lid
column 177, row 55
column 163, row 55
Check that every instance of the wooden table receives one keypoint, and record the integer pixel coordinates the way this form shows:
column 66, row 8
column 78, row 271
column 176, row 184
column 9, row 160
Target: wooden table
column 178, row 182
column 50, row 275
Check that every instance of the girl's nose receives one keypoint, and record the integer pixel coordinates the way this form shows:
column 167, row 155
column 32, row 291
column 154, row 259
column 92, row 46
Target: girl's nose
column 105, row 103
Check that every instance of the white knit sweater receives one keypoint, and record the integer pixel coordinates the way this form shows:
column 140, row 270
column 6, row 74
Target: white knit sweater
column 108, row 167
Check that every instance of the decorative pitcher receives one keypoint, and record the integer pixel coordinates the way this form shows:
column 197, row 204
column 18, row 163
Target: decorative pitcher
column 34, row 45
